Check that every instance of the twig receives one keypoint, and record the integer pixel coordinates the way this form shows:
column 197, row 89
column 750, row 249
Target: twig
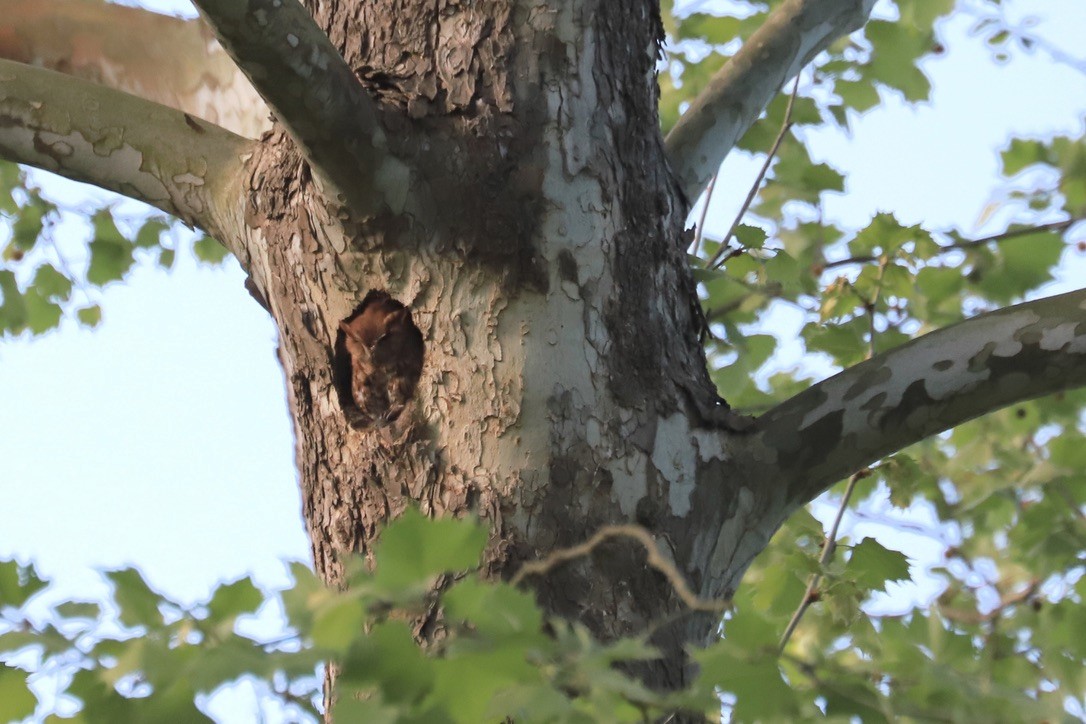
column 653, row 557
column 975, row 617
column 700, row 231
column 970, row 243
column 870, row 305
column 828, row 548
column 785, row 127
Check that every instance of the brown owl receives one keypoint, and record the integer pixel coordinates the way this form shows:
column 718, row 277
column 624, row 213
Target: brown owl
column 385, row 349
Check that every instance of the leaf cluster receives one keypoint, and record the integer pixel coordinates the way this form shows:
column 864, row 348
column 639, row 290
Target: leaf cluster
column 46, row 276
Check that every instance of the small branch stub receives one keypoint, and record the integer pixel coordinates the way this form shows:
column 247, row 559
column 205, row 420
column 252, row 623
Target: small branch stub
column 379, row 361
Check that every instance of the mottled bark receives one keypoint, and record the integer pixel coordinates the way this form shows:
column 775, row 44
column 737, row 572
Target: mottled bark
column 918, row 390
column 94, row 134
column 793, row 34
column 538, row 243
column 172, row 61
column 564, row 386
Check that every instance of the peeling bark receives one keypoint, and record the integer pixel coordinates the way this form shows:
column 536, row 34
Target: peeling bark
column 919, row 389
column 178, row 64
column 90, row 133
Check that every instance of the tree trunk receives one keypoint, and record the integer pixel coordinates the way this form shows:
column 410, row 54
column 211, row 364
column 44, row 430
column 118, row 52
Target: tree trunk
column 564, row 385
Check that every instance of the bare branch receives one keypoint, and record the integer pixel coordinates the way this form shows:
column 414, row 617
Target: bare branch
column 829, row 547
column 791, row 37
column 653, row 557
column 975, row 617
column 316, row 96
column 168, row 60
column 785, row 127
column 1014, row 233
column 921, row 388
column 90, row 133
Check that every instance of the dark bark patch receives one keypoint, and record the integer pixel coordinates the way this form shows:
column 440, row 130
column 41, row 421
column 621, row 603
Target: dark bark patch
column 378, row 361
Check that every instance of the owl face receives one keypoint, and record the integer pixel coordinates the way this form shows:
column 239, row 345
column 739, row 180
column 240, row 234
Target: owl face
column 386, row 353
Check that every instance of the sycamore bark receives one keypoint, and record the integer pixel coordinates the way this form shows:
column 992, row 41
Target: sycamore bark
column 506, row 179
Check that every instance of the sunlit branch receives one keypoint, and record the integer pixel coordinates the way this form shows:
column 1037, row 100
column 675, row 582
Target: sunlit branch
column 313, row 92
column 87, row 132
column 919, row 389
column 791, row 37
column 172, row 61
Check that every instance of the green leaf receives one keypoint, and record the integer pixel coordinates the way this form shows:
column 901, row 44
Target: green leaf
column 18, row 583
column 754, row 679
column 16, row 700
column 338, row 623
column 90, row 316
column 872, row 565
column 51, row 284
column 1021, row 264
column 495, row 609
column 79, row 609
column 413, row 549
column 895, row 49
column 110, row 253
column 1022, row 154
column 710, row 28
column 149, row 234
column 389, row 658
column 28, row 227
column 234, row 599
column 137, row 602
column 11, row 178
column 41, row 314
column 858, row 95
column 13, row 312
column 209, row 250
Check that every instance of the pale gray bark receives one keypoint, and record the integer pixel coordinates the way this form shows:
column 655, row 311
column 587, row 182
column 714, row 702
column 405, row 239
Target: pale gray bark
column 917, row 390
column 793, row 34
column 172, row 61
column 97, row 135
column 316, row 97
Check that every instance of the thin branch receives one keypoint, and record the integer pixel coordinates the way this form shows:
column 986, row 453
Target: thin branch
column 829, row 547
column 973, row 243
column 704, row 212
column 786, row 126
column 793, row 34
column 923, row 387
column 314, row 93
column 653, row 557
column 172, row 61
column 976, row 617
column 87, row 132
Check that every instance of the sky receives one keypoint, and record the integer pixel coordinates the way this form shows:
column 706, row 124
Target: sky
column 161, row 439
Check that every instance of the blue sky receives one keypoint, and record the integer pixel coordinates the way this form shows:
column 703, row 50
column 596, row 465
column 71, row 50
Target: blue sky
column 161, row 439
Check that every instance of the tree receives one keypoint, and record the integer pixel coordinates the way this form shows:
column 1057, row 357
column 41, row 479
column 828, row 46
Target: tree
column 501, row 170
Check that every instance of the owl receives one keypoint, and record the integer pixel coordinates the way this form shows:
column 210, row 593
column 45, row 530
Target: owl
column 385, row 349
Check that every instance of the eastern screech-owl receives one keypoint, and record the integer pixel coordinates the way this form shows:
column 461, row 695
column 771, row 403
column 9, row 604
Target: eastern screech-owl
column 386, row 352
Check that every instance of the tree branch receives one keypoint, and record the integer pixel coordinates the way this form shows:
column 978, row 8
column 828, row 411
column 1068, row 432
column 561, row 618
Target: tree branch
column 653, row 558
column 168, row 60
column 791, row 37
column 315, row 95
column 90, row 133
column 1014, row 233
column 919, row 389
